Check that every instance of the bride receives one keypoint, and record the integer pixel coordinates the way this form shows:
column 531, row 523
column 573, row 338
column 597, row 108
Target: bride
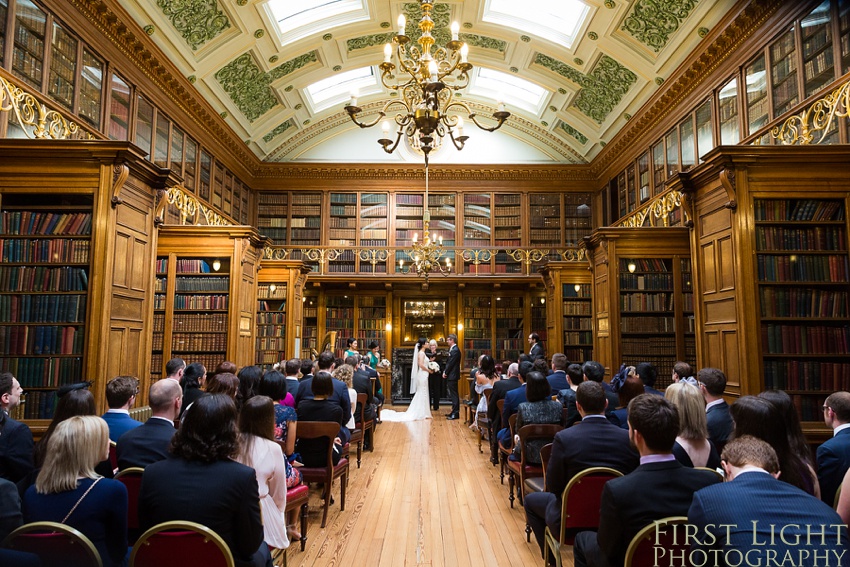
column 419, row 408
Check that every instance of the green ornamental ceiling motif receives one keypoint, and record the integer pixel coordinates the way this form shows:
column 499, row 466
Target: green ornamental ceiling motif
column 572, row 132
column 369, row 41
column 601, row 90
column 278, row 131
column 474, row 40
column 250, row 88
column 652, row 22
column 198, row 21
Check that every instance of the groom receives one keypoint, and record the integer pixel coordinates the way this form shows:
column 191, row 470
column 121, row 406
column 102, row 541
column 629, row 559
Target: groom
column 452, row 375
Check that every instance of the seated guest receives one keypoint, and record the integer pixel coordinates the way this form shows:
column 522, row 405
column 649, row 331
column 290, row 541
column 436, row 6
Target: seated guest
column 291, row 370
column 149, row 443
column 120, row 396
column 10, row 508
column 75, row 402
column 712, row 383
column 16, row 444
column 344, row 373
column 660, row 487
column 540, row 408
column 682, row 372
column 500, row 389
column 692, row 447
column 758, row 417
column 273, row 385
column 540, row 365
column 742, row 517
column 631, row 388
column 558, row 377
column 595, row 372
column 223, row 383
column 567, row 396
column 259, row 451
column 594, row 442
column 306, row 369
column 194, row 379
column 512, row 401
column 201, row 466
column 320, row 408
column 249, row 382
column 485, row 378
column 339, row 395
column 797, row 443
column 68, row 490
column 648, row 375
column 833, row 456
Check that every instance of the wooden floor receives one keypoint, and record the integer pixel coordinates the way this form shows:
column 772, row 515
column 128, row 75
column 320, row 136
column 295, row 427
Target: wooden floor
column 425, row 496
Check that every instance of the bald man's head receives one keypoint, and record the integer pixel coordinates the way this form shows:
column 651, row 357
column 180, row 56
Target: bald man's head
column 162, row 398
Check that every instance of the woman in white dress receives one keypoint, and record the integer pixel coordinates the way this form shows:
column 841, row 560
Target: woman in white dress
column 259, row 451
column 419, row 407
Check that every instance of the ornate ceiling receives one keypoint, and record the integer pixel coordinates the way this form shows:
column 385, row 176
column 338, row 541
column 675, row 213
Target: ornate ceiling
column 257, row 76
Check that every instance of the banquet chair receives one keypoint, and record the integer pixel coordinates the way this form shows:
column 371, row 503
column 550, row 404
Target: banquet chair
column 57, row 545
column 132, row 478
column 642, row 549
column 364, row 426
column 113, row 456
column 505, row 452
column 327, row 473
column 170, row 544
column 297, row 497
column 580, row 503
column 519, row 471
column 537, row 483
column 483, row 422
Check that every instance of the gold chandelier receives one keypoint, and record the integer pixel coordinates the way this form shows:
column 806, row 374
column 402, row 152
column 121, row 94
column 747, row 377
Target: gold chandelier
column 425, row 255
column 423, row 111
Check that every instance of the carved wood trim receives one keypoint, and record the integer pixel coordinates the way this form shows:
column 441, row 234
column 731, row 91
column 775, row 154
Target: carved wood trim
column 120, row 172
column 727, row 181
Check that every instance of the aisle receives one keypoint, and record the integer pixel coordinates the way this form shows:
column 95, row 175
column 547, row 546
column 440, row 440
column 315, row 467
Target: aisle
column 425, row 496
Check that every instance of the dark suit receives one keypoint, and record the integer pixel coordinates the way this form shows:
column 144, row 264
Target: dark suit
column 145, row 445
column 435, row 382
column 221, row 495
column 452, row 373
column 292, row 386
column 362, row 384
column 833, row 461
column 720, row 425
column 758, row 497
column 632, row 502
column 512, row 401
column 536, row 352
column 567, row 397
column 119, row 423
column 594, row 442
column 10, row 508
column 558, row 381
column 500, row 389
column 16, row 447
column 340, row 395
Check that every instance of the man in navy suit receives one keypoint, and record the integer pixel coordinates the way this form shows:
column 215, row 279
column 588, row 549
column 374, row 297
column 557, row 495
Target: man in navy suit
column 712, row 383
column 834, row 455
column 648, row 375
column 290, row 372
column 558, row 378
column 660, row 487
column 500, row 389
column 16, row 444
column 594, row 442
column 149, row 443
column 756, row 517
column 120, row 396
column 452, row 375
column 595, row 372
column 536, row 351
column 512, row 401
column 340, row 394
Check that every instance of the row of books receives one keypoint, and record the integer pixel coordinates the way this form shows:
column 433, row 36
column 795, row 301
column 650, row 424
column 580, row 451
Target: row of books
column 306, row 198
column 476, row 333
column 371, row 324
column 188, row 322
column 342, row 211
column 478, row 344
column 646, row 301
column 652, row 282
column 569, row 290
column 646, row 265
column 203, row 342
column 44, row 223
column 306, row 210
column 271, row 343
column 41, row 339
column 647, row 324
column 801, row 239
column 305, row 236
column 43, row 278
column 201, row 302
column 805, row 268
column 376, row 211
column 802, row 302
column 269, row 357
column 44, row 372
column 309, row 222
column 578, row 338
column 185, row 266
column 477, row 317
column 42, row 308
column 203, row 284
column 264, row 291
column 342, row 222
column 271, row 318
column 805, row 339
column 806, row 375
column 52, row 251
column 271, row 330
column 575, row 323
column 272, row 221
column 798, row 210
column 344, row 198
column 273, row 199
column 821, row 63
column 310, row 312
column 578, row 354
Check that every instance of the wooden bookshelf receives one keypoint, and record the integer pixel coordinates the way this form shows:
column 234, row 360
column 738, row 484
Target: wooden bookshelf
column 91, row 89
column 408, row 221
column 844, row 37
column 374, row 229
column 817, row 49
column 727, row 110
column 477, row 328
column 509, row 337
column 29, row 44
column 569, row 309
column 546, row 221
column 758, row 111
column 279, row 292
column 342, row 231
column 63, row 67
column 309, row 325
column 273, row 216
column 340, row 318
column 372, row 322
column 783, row 73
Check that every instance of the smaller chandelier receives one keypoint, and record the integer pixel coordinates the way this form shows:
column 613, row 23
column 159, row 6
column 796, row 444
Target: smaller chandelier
column 425, row 255
column 427, row 90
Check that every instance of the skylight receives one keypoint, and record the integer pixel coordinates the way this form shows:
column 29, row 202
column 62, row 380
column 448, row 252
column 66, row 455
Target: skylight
column 337, row 89
column 297, row 19
column 556, row 20
column 503, row 87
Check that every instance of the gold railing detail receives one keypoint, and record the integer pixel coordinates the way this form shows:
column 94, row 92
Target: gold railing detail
column 574, row 255
column 528, row 256
column 658, row 208
column 190, row 207
column 322, row 256
column 374, row 257
column 274, row 253
column 476, row 257
column 819, row 117
column 36, row 120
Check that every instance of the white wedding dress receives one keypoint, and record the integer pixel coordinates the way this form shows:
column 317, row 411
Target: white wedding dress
column 420, row 407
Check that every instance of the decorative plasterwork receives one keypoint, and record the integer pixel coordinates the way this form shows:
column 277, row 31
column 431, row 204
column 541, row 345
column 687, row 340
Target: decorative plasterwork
column 652, row 22
column 278, row 131
column 601, row 90
column 483, row 41
column 549, row 174
column 572, row 132
column 365, row 41
column 293, row 65
column 198, row 21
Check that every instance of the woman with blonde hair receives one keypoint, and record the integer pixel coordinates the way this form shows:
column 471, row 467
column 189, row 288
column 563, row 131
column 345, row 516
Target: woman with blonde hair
column 68, row 491
column 345, row 373
column 692, row 447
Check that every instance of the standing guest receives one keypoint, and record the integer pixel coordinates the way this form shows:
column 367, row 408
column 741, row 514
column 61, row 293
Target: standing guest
column 692, row 447
column 536, row 349
column 249, row 382
column 539, row 409
column 320, row 408
column 291, row 370
column 452, row 375
column 179, row 488
column 758, row 417
column 712, row 383
column 344, row 373
column 352, row 348
column 273, row 385
column 373, row 357
column 558, row 377
column 149, row 443
column 833, row 456
column 682, row 371
column 259, row 451
column 741, row 517
column 194, row 379
column 223, row 383
column 174, row 369
column 435, row 378
column 121, row 394
column 75, row 402
column 68, row 490
column 631, row 502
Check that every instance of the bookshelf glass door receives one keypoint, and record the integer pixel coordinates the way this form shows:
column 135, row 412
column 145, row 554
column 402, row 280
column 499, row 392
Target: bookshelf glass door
column 758, row 113
column 373, row 229
column 783, row 69
column 271, row 324
column 578, row 322
column 818, row 54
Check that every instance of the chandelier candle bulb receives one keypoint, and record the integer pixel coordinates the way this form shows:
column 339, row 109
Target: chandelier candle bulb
column 415, row 237
column 388, row 53
column 353, row 101
column 459, row 126
column 432, row 70
column 464, row 53
column 385, row 126
column 455, row 30
column 402, row 23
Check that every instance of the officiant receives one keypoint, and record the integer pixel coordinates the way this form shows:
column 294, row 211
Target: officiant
column 435, row 378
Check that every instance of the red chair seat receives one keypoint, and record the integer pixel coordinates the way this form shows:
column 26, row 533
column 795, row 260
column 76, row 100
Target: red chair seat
column 296, row 492
column 297, row 497
column 317, row 474
column 170, row 543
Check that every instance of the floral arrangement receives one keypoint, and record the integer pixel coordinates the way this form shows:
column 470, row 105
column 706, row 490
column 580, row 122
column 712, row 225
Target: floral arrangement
column 384, row 363
column 433, row 366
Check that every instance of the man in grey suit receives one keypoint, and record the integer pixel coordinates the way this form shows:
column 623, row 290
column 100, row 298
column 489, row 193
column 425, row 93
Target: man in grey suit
column 452, row 375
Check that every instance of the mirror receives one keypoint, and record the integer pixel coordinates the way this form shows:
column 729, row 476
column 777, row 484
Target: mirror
column 425, row 319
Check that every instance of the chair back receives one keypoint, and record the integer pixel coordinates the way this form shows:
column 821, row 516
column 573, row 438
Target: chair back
column 512, row 428
column 361, row 401
column 317, row 429
column 533, row 432
column 545, row 454
column 837, row 497
column 113, row 455
column 643, row 547
column 715, row 471
column 170, row 544
column 57, row 545
column 487, row 393
column 581, row 500
column 132, row 479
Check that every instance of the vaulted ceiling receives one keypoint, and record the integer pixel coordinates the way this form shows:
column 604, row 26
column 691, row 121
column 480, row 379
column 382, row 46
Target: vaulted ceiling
column 589, row 83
